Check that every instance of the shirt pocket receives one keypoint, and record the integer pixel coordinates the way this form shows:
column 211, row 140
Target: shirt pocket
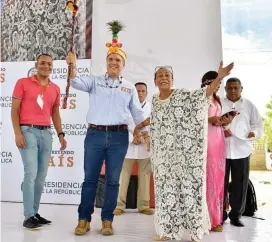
column 123, row 99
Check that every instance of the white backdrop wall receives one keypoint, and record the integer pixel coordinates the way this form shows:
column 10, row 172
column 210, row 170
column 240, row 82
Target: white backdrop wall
column 185, row 34
column 65, row 173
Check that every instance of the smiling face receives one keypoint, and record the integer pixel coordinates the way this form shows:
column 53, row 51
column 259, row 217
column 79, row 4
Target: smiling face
column 44, row 66
column 115, row 65
column 164, row 79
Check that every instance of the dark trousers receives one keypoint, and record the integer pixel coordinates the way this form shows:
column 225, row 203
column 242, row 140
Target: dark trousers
column 99, row 145
column 239, row 169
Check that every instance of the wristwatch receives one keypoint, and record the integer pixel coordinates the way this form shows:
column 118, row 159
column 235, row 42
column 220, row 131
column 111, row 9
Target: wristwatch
column 61, row 133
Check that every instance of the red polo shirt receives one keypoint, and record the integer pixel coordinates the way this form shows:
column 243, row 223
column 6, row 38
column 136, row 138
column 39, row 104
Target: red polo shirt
column 28, row 89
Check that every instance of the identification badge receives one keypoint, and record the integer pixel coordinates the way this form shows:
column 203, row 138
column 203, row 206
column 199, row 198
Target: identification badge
column 40, row 101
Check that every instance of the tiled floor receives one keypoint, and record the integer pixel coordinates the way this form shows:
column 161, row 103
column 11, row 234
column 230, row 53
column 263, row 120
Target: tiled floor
column 132, row 226
column 128, row 227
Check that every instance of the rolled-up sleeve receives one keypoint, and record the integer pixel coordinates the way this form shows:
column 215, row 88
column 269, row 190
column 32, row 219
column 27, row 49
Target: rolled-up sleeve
column 135, row 108
column 84, row 84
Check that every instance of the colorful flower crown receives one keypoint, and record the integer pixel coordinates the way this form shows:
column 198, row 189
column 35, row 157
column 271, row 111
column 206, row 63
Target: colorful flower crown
column 115, row 48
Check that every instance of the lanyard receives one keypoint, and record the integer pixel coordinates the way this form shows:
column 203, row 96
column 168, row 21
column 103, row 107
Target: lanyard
column 143, row 105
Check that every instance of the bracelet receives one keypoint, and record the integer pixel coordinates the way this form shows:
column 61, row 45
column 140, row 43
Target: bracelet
column 61, row 133
column 146, row 137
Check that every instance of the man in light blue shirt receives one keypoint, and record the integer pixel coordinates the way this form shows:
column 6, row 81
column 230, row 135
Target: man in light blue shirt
column 112, row 100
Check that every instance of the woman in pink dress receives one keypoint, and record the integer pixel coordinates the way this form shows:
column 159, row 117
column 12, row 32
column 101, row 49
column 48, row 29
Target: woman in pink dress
column 216, row 158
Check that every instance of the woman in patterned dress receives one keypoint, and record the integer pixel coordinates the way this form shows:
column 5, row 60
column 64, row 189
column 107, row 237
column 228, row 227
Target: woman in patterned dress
column 179, row 149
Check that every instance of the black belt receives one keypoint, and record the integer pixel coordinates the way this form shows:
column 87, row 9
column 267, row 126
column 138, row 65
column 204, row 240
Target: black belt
column 108, row 128
column 36, row 126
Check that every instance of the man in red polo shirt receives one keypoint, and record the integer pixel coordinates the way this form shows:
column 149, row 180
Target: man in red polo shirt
column 34, row 101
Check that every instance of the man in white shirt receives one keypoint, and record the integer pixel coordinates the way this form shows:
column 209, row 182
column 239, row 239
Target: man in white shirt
column 245, row 128
column 136, row 152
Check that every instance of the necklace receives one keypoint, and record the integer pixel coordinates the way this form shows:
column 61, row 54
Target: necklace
column 111, row 86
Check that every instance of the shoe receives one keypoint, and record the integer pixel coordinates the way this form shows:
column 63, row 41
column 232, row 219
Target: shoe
column 32, row 223
column 218, row 228
column 118, row 211
column 237, row 223
column 107, row 228
column 146, row 211
column 225, row 217
column 42, row 220
column 82, row 228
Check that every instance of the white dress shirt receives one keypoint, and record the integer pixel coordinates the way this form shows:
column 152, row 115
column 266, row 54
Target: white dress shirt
column 239, row 146
column 138, row 151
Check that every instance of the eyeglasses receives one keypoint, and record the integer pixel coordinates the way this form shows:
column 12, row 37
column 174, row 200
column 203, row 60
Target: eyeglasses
column 169, row 68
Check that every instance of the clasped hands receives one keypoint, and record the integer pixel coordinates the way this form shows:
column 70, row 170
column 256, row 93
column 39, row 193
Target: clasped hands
column 142, row 137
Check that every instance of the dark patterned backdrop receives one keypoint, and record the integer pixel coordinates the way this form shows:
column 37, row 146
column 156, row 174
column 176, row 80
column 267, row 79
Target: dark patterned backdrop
column 31, row 27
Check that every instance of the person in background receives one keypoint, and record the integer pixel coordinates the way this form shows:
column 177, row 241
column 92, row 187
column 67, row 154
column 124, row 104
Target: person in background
column 244, row 129
column 216, row 156
column 136, row 152
column 35, row 100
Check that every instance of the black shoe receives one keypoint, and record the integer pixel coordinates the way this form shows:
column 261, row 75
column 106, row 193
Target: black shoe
column 225, row 217
column 237, row 223
column 32, row 223
column 42, row 220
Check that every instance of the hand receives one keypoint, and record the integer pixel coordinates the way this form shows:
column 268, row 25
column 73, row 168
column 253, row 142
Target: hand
column 20, row 141
column 224, row 71
column 251, row 135
column 227, row 133
column 63, row 142
column 137, row 141
column 136, row 136
column 147, row 143
column 215, row 121
column 71, row 59
column 226, row 120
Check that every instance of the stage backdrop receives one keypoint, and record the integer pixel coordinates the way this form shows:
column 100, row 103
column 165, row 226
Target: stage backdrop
column 65, row 174
column 184, row 34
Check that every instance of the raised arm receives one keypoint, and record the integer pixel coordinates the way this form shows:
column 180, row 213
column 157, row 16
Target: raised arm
column 222, row 72
column 85, row 83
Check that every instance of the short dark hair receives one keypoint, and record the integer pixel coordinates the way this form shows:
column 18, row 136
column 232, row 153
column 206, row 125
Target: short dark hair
column 141, row 83
column 233, row 79
column 208, row 77
column 43, row 54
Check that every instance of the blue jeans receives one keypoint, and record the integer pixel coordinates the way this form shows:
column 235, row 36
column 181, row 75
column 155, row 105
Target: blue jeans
column 36, row 157
column 99, row 145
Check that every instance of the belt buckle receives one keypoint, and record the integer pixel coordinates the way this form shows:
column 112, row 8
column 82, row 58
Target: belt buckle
column 106, row 128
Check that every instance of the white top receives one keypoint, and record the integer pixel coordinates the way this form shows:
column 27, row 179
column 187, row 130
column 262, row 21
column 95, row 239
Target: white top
column 138, row 151
column 238, row 146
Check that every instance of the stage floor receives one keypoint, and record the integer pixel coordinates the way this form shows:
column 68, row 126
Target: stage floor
column 129, row 227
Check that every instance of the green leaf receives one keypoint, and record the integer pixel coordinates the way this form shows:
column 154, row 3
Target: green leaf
column 115, row 26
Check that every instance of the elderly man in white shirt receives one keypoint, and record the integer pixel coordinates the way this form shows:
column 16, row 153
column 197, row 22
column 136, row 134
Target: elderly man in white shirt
column 136, row 152
column 245, row 128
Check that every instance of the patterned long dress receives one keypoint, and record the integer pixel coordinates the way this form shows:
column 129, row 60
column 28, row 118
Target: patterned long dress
column 215, row 168
column 179, row 151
